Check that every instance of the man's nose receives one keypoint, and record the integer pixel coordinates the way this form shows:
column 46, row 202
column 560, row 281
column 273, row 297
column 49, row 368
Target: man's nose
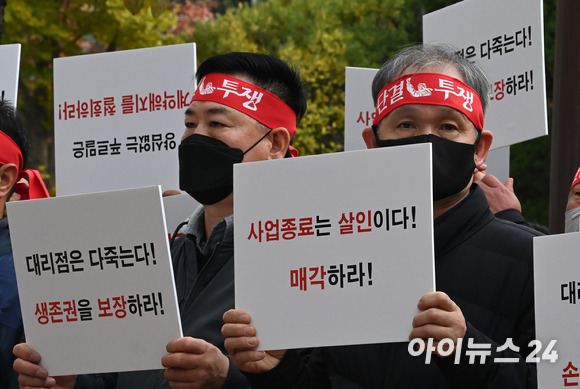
column 427, row 130
column 199, row 129
column 202, row 129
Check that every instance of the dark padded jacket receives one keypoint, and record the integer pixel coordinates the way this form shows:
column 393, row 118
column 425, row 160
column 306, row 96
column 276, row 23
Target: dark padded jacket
column 11, row 330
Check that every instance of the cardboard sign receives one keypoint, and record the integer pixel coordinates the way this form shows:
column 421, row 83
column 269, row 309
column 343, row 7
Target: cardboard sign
column 119, row 118
column 359, row 108
column 557, row 301
column 320, row 236
column 506, row 37
column 10, row 65
column 95, row 280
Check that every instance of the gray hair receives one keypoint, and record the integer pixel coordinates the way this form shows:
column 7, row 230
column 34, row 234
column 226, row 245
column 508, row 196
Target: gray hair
column 438, row 55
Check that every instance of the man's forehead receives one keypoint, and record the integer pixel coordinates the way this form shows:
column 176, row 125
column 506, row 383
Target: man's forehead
column 208, row 107
column 198, row 108
column 447, row 70
column 419, row 108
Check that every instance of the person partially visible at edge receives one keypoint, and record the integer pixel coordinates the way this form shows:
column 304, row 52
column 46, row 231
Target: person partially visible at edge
column 245, row 109
column 22, row 183
column 501, row 197
column 483, row 264
column 572, row 215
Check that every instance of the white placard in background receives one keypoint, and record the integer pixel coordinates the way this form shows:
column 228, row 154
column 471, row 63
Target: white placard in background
column 119, row 118
column 511, row 51
column 557, row 301
column 358, row 105
column 95, row 280
column 320, row 236
column 10, row 66
column 177, row 210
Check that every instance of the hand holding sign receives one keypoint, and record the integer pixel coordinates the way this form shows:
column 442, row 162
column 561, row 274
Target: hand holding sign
column 241, row 343
column 196, row 362
column 30, row 374
column 440, row 318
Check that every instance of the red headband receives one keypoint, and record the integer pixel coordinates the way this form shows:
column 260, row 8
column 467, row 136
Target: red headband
column 430, row 88
column 576, row 179
column 10, row 153
column 247, row 98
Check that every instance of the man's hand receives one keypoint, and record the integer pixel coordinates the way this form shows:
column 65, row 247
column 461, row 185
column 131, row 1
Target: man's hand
column 439, row 318
column 241, row 342
column 195, row 363
column 31, row 375
column 499, row 196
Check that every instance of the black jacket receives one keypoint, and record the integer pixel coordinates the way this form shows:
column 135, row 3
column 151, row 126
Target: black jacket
column 485, row 265
column 11, row 330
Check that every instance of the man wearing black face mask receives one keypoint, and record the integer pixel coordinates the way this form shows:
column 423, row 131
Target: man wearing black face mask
column 245, row 109
column 483, row 264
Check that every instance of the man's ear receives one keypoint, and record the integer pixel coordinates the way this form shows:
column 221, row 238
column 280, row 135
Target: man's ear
column 280, row 142
column 369, row 137
column 483, row 146
column 8, row 177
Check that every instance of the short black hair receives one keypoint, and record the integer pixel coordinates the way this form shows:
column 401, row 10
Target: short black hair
column 266, row 71
column 11, row 124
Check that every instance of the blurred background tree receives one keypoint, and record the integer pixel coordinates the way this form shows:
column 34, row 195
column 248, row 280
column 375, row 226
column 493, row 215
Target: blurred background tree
column 48, row 29
column 320, row 37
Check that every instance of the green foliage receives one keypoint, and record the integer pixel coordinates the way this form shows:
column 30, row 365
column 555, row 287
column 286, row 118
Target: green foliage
column 134, row 6
column 157, row 6
column 319, row 37
column 530, row 167
column 48, row 29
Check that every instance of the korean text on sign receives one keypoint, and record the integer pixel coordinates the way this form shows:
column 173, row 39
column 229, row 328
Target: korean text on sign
column 133, row 144
column 64, row 262
column 55, row 312
column 358, row 274
column 512, row 85
column 499, row 45
column 130, row 104
column 349, row 223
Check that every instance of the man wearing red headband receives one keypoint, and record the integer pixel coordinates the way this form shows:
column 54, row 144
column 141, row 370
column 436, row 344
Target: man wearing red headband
column 14, row 148
column 245, row 109
column 484, row 303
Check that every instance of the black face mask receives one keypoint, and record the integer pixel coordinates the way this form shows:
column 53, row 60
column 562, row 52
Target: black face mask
column 453, row 163
column 206, row 167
